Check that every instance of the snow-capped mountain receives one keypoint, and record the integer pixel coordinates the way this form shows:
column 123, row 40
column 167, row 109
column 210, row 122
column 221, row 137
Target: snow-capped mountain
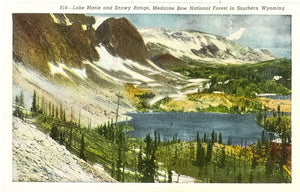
column 67, row 54
column 189, row 44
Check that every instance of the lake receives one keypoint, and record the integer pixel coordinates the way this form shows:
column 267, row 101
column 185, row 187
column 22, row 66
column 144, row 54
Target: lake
column 242, row 128
column 277, row 97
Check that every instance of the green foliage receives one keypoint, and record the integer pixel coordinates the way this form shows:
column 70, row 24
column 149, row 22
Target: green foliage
column 227, row 164
column 278, row 123
column 19, row 106
column 156, row 106
column 148, row 166
column 244, row 79
column 54, row 132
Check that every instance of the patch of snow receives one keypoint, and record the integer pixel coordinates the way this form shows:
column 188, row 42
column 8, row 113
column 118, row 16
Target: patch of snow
column 80, row 72
column 99, row 21
column 67, row 20
column 155, row 99
column 84, row 27
column 54, row 18
column 57, row 69
column 112, row 63
column 277, row 77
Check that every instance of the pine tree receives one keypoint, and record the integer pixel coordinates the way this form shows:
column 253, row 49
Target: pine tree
column 229, row 140
column 34, row 104
column 155, row 140
column 56, row 112
column 54, row 132
column 253, row 162
column 209, row 151
column 70, row 135
column 268, row 164
column 220, row 138
column 170, row 176
column 22, row 99
column 17, row 100
column 82, row 148
column 61, row 111
column 222, row 160
column 149, row 169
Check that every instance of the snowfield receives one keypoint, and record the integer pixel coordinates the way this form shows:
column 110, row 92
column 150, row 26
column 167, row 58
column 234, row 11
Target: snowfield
column 37, row 157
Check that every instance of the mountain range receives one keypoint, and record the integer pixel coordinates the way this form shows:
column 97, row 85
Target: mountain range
column 72, row 63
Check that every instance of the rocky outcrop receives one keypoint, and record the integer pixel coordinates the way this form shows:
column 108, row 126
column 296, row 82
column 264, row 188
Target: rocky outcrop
column 37, row 157
column 121, row 38
column 42, row 38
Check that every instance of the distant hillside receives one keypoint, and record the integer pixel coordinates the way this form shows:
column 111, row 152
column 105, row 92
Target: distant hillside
column 195, row 45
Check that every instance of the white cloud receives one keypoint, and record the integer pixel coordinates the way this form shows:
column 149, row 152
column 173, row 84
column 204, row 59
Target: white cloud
column 237, row 34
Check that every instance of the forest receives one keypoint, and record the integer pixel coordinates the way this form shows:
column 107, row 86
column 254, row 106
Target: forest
column 207, row 159
column 243, row 79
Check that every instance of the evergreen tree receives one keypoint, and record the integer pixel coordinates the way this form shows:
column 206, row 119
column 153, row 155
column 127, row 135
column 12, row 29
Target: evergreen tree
column 149, row 161
column 56, row 112
column 213, row 138
column 239, row 178
column 155, row 140
column 229, row 140
column 54, row 132
column 70, row 135
column 200, row 154
column 204, row 138
column 61, row 111
column 209, row 151
column 268, row 164
column 82, row 148
column 22, row 99
column 253, row 162
column 17, row 100
column 158, row 139
column 34, row 103
column 170, row 176
column 222, row 160
column 220, row 138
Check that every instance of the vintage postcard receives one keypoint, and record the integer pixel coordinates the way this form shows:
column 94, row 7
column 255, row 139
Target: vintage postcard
column 136, row 96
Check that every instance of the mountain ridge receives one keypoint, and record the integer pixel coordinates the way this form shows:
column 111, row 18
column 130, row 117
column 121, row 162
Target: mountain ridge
column 197, row 45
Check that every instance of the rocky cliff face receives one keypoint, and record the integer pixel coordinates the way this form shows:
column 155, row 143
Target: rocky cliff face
column 42, row 38
column 122, row 39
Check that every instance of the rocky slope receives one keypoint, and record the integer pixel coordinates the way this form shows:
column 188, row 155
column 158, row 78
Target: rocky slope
column 37, row 157
column 42, row 38
column 122, row 39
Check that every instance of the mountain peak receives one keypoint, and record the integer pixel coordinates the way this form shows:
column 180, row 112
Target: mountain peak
column 121, row 38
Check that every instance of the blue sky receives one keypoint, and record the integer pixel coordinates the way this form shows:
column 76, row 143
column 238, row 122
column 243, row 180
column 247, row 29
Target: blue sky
column 272, row 32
